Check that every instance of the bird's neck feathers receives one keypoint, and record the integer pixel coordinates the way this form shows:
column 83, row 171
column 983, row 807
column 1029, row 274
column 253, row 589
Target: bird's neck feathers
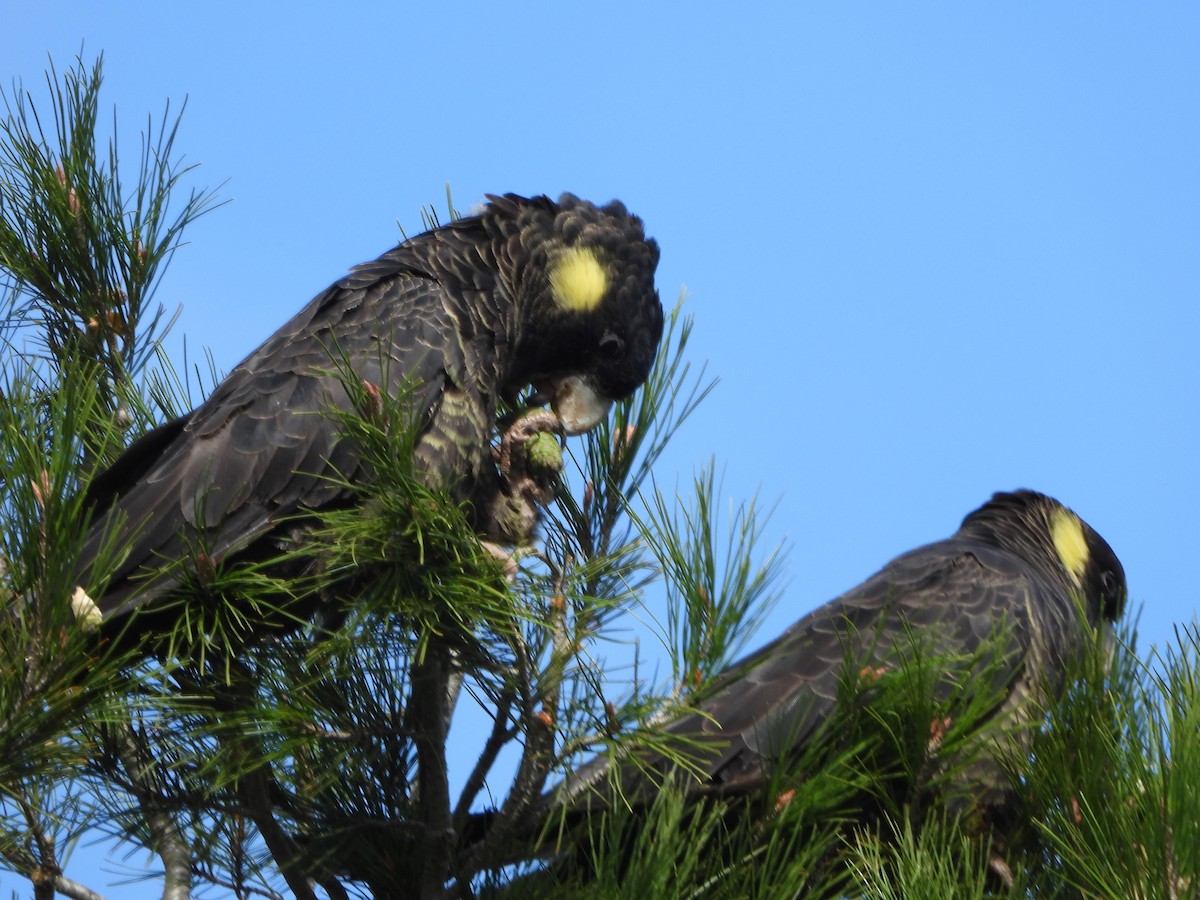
column 1035, row 527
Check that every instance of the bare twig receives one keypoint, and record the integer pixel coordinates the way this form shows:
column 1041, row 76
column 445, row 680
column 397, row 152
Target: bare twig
column 254, row 788
column 541, row 697
column 502, row 732
column 168, row 841
column 47, row 867
column 74, row 890
column 242, row 890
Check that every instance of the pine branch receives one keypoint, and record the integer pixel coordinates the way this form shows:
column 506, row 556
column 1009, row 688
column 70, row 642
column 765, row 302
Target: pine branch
column 166, row 838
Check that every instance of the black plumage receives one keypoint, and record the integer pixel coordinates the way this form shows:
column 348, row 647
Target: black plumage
column 457, row 320
column 1022, row 559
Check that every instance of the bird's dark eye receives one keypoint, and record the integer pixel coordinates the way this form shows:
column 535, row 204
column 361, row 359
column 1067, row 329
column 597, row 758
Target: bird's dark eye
column 1108, row 583
column 611, row 345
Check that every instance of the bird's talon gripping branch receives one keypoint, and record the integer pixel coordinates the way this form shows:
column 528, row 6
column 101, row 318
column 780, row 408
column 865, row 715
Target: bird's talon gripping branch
column 528, row 462
column 529, row 456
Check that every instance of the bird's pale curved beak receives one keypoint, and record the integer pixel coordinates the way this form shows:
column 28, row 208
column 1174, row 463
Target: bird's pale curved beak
column 578, row 407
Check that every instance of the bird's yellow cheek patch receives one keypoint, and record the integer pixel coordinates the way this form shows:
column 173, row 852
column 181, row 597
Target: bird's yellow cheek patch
column 1070, row 543
column 579, row 280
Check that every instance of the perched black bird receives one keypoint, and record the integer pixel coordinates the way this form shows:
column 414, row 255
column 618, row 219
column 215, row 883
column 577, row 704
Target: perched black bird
column 559, row 296
column 1022, row 559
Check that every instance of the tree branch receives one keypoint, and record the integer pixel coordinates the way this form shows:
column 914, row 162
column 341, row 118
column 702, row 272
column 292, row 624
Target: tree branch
column 74, row 890
column 255, row 791
column 428, row 722
column 500, row 735
column 167, row 840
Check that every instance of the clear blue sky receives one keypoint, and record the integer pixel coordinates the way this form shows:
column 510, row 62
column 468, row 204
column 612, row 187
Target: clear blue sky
column 933, row 251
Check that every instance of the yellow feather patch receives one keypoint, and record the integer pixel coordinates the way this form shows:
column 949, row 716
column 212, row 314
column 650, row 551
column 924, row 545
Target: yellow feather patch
column 1070, row 543
column 578, row 279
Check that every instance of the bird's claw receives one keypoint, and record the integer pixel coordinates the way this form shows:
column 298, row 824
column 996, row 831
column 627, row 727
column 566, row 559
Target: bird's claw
column 529, row 457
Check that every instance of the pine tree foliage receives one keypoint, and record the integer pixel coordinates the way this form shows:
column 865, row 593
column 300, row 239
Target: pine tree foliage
column 316, row 760
column 81, row 255
column 324, row 761
column 1110, row 787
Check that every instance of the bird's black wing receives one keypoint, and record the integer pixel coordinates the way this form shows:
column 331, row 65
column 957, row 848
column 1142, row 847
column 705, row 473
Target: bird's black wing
column 264, row 444
column 771, row 702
